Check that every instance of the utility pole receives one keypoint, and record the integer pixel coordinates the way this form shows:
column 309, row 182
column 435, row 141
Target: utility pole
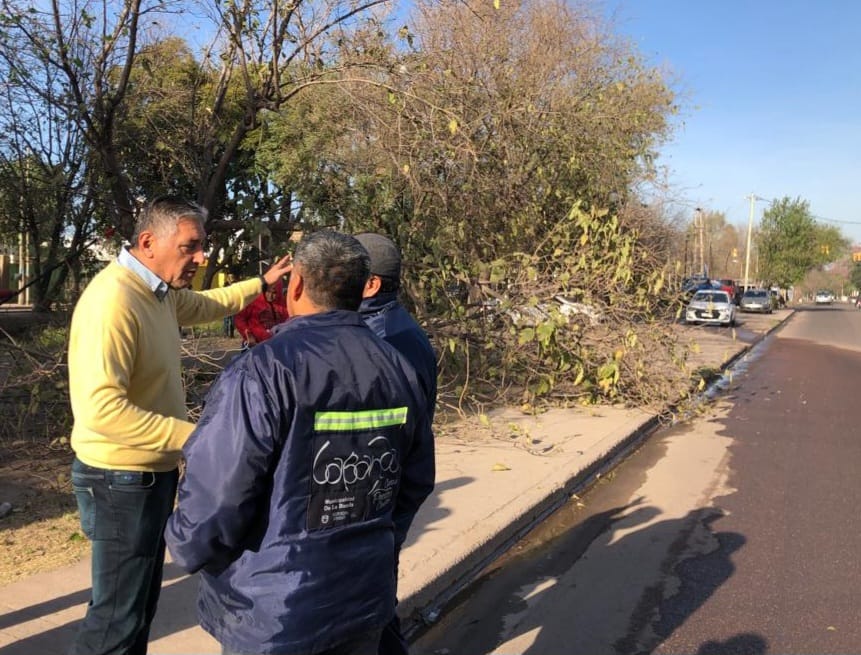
column 700, row 226
column 752, row 198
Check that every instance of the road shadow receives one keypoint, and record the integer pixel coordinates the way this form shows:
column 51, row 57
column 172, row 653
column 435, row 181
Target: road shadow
column 604, row 581
column 688, row 577
column 698, row 574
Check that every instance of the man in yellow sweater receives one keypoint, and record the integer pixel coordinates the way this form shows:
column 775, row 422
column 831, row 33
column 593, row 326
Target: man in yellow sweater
column 130, row 420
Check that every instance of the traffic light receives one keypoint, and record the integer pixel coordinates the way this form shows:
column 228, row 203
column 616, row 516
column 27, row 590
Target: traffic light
column 856, row 256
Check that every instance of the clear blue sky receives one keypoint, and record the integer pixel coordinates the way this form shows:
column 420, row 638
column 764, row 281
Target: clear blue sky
column 771, row 91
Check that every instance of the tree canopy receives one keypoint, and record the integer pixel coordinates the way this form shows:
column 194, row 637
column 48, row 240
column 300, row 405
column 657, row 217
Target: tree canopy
column 791, row 242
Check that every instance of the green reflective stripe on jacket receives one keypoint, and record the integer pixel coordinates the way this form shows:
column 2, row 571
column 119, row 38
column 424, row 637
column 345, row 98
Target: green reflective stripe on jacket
column 363, row 420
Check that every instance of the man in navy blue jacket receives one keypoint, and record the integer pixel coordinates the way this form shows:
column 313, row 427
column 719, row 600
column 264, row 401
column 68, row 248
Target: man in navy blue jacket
column 312, row 457
column 388, row 318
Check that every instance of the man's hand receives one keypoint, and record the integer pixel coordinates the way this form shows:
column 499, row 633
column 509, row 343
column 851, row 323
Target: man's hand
column 278, row 270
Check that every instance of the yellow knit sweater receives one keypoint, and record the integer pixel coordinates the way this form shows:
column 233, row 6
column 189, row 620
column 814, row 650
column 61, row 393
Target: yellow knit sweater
column 125, row 382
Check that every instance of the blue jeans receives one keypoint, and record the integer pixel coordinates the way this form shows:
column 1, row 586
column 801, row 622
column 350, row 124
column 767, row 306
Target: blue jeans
column 123, row 513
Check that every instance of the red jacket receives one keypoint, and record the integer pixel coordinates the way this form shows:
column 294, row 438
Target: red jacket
column 258, row 318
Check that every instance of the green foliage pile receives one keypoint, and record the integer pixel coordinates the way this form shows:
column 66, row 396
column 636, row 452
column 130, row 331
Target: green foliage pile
column 505, row 336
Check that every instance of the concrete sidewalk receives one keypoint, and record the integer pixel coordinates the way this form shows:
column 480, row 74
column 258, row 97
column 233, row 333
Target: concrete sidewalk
column 488, row 492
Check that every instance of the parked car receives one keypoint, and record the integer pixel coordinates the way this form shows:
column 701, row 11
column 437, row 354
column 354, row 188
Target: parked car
column 756, row 300
column 733, row 289
column 823, row 297
column 693, row 284
column 711, row 306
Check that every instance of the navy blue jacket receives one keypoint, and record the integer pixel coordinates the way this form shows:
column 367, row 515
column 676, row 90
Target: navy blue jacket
column 385, row 315
column 312, row 456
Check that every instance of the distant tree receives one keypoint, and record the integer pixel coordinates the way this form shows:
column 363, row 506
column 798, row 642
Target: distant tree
column 790, row 242
column 855, row 276
column 722, row 243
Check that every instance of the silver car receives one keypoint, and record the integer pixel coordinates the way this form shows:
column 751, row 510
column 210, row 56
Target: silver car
column 711, row 306
column 757, row 300
column 824, row 297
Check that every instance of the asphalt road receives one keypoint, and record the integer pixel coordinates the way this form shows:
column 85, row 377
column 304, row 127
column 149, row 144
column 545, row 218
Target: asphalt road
column 735, row 532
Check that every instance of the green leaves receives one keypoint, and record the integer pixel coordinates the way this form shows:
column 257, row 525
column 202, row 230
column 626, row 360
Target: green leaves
column 791, row 243
column 608, row 377
column 544, row 333
column 525, row 336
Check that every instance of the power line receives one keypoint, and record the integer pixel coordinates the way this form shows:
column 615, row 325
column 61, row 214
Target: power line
column 834, row 220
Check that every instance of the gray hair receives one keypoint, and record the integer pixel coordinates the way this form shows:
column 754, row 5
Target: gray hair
column 334, row 267
column 162, row 215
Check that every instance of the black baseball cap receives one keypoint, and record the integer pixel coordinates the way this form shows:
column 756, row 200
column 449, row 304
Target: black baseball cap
column 385, row 256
